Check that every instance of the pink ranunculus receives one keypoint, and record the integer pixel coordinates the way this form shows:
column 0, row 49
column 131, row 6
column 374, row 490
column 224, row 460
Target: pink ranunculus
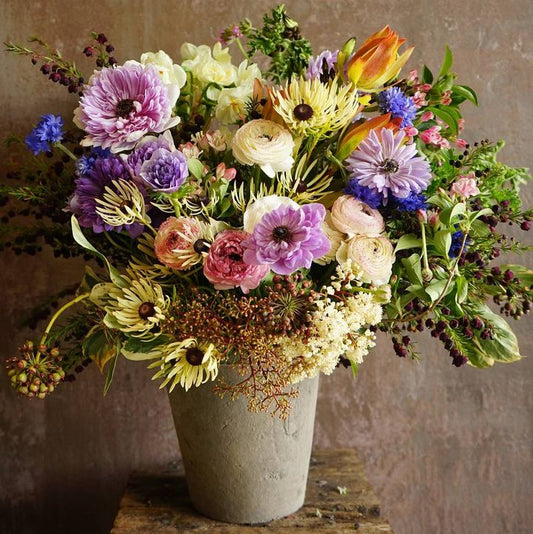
column 224, row 266
column 174, row 242
column 465, row 186
column 427, row 116
column 352, row 216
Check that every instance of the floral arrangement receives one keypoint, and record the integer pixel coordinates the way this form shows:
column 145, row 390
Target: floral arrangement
column 269, row 218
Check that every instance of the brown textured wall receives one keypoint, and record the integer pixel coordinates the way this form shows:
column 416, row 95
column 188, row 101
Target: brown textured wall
column 447, row 450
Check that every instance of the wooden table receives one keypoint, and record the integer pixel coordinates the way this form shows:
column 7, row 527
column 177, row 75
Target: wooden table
column 339, row 500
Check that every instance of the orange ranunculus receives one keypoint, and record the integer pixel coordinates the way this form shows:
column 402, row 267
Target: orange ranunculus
column 358, row 132
column 377, row 61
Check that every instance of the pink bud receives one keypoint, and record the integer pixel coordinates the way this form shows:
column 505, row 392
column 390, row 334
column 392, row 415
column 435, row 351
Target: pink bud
column 410, row 131
column 460, row 143
column 427, row 116
column 422, row 216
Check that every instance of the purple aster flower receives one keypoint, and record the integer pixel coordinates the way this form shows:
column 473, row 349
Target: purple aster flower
column 413, row 202
column 322, row 66
column 370, row 197
column 92, row 186
column 165, row 171
column 381, row 162
column 120, row 105
column 288, row 238
column 49, row 130
column 395, row 102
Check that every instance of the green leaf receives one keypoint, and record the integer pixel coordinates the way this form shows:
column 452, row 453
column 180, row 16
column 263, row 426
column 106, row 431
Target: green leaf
column 408, row 241
column 503, row 346
column 82, row 241
column 435, row 289
column 461, row 292
column 442, row 241
column 449, row 214
column 196, row 168
column 413, row 269
column 446, row 116
column 418, row 291
column 427, row 75
column 447, row 63
column 98, row 347
column 466, row 92
column 524, row 274
column 138, row 350
column 111, row 369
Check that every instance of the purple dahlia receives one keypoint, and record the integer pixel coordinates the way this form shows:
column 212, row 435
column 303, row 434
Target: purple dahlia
column 122, row 104
column 288, row 238
column 91, row 186
column 383, row 163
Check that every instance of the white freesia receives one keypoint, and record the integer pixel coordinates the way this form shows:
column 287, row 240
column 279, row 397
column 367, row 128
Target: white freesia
column 209, row 66
column 247, row 73
column 370, row 258
column 255, row 211
column 232, row 103
column 169, row 72
column 264, row 143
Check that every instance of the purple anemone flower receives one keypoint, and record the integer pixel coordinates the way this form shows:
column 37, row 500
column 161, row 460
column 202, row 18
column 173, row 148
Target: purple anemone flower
column 91, row 186
column 322, row 66
column 288, row 238
column 143, row 152
column 165, row 171
column 120, row 105
column 381, row 162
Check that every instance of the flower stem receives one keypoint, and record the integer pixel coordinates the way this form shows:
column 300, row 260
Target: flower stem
column 60, row 312
column 64, row 149
column 239, row 44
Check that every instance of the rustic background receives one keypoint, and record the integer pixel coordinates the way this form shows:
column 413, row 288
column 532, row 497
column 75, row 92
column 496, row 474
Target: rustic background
column 448, row 450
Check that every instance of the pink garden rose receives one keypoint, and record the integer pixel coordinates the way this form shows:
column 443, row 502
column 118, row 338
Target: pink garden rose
column 224, row 266
column 174, row 242
column 352, row 216
column 465, row 186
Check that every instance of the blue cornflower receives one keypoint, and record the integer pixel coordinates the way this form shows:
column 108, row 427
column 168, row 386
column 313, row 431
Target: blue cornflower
column 413, row 202
column 48, row 131
column 457, row 241
column 395, row 102
column 369, row 196
column 85, row 163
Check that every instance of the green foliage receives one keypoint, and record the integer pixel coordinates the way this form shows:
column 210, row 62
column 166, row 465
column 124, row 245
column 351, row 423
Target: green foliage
column 279, row 39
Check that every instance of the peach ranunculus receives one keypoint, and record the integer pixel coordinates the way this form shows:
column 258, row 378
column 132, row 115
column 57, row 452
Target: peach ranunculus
column 224, row 266
column 175, row 241
column 465, row 186
column 370, row 258
column 377, row 61
column 352, row 216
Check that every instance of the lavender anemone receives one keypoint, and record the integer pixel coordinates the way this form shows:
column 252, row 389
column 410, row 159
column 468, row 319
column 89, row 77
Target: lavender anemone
column 91, row 186
column 144, row 150
column 165, row 171
column 120, row 105
column 382, row 163
column 288, row 238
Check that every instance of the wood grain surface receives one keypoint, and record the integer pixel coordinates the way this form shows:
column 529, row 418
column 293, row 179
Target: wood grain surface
column 339, row 499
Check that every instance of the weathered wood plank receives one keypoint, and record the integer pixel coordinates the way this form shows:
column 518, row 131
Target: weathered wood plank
column 160, row 504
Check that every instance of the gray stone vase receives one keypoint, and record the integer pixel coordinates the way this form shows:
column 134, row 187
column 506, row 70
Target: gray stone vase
column 244, row 467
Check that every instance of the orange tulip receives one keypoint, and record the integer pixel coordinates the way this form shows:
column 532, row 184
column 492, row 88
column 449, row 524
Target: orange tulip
column 265, row 102
column 377, row 61
column 360, row 131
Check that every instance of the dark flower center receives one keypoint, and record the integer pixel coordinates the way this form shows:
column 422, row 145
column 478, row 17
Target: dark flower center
column 201, row 245
column 281, row 233
column 125, row 107
column 303, row 112
column 389, row 166
column 146, row 309
column 194, row 356
column 233, row 256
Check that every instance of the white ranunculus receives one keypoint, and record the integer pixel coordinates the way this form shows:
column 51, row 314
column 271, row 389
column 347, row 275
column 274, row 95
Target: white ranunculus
column 370, row 258
column 264, row 143
column 169, row 72
column 255, row 211
column 352, row 216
